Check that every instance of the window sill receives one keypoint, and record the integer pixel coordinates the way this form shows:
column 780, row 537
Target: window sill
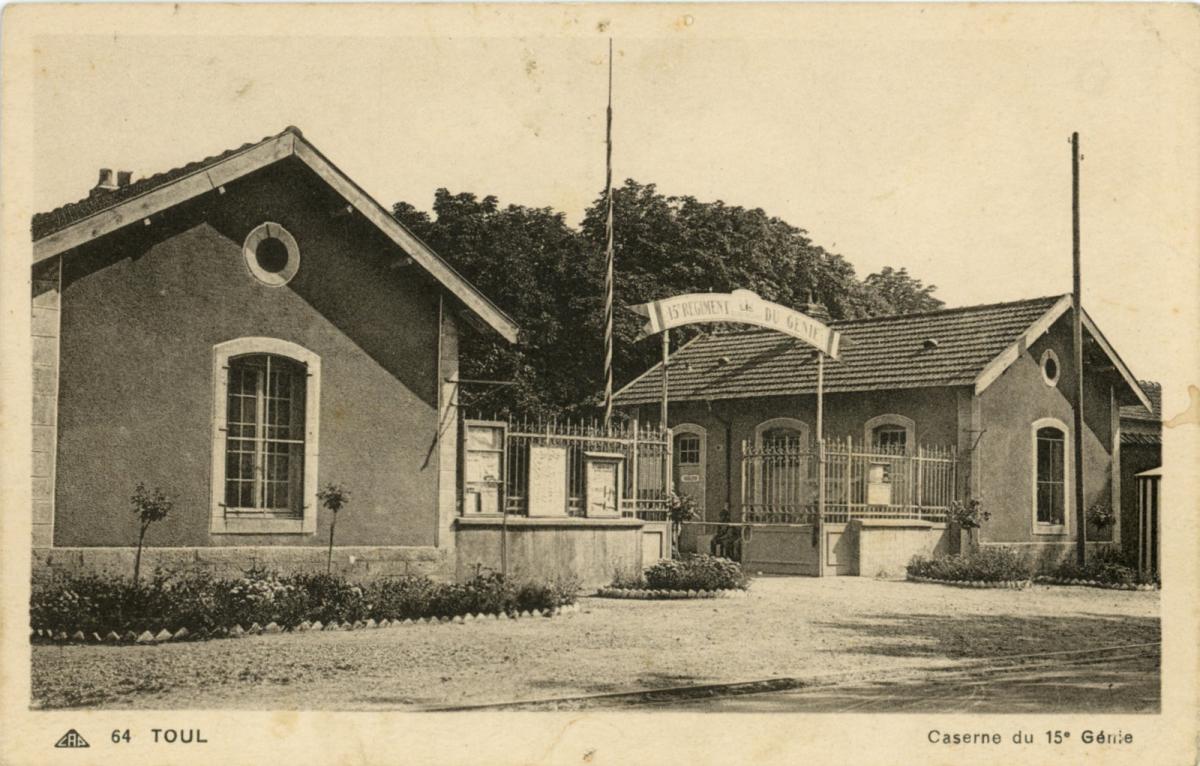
column 258, row 527
column 1050, row 530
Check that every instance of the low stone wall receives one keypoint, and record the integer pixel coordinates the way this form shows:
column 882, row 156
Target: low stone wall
column 781, row 550
column 885, row 546
column 356, row 562
column 591, row 550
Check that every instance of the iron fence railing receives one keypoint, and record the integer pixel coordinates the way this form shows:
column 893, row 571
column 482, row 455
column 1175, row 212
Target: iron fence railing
column 781, row 484
column 644, row 449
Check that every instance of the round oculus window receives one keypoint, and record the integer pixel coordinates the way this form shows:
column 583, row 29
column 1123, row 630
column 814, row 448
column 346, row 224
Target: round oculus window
column 1050, row 368
column 271, row 254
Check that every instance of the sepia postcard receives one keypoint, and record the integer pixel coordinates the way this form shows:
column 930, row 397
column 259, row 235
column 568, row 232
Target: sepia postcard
column 719, row 383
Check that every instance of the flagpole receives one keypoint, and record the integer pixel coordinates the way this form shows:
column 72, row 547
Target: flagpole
column 1077, row 330
column 608, row 255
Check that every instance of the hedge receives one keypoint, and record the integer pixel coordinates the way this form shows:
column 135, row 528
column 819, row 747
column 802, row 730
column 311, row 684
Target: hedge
column 987, row 565
column 204, row 605
column 695, row 572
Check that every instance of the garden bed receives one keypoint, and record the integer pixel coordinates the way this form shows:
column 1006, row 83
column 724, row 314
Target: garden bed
column 693, row 576
column 197, row 605
column 271, row 628
column 653, row 593
column 1052, row 580
column 1007, row 584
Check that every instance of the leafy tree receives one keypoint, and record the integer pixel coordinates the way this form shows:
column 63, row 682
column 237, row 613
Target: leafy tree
column 902, row 293
column 149, row 506
column 334, row 498
column 549, row 277
column 534, row 266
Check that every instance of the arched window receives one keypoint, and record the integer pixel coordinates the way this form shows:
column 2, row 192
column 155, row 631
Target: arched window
column 1051, row 476
column 264, row 437
column 890, row 433
column 785, row 459
column 786, row 433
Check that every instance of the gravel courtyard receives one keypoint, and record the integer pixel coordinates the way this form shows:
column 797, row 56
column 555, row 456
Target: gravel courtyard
column 794, row 627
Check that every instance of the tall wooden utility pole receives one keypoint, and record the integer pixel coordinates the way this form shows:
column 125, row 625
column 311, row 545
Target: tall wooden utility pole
column 1077, row 329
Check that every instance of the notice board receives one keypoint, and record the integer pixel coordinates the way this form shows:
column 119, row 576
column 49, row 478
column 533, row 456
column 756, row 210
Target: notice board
column 547, row 481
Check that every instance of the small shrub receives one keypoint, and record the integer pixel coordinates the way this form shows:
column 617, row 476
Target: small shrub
column 696, row 572
column 1101, row 516
column 985, row 565
column 200, row 602
column 968, row 515
column 1107, row 565
column 629, row 580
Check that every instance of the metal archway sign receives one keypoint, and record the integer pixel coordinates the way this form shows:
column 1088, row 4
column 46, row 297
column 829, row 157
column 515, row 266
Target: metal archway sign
column 740, row 306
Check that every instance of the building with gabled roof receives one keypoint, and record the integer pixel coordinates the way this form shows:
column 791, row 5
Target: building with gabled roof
column 1141, row 451
column 992, row 383
column 239, row 331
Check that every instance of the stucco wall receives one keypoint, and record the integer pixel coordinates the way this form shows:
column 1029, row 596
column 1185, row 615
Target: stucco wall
column 932, row 410
column 885, row 546
column 591, row 550
column 44, row 327
column 356, row 562
column 1005, row 453
column 140, row 316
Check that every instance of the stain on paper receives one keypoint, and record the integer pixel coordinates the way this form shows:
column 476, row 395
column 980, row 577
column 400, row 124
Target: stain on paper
column 1190, row 416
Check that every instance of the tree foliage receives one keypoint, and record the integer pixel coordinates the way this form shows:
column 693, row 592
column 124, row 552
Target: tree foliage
column 549, row 277
column 902, row 293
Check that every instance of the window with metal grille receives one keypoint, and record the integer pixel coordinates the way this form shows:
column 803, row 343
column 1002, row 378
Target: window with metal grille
column 264, row 440
column 687, row 447
column 891, row 438
column 1051, row 476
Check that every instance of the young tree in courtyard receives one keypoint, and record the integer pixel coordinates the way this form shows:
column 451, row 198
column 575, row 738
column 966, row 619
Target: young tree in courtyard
column 333, row 497
column 149, row 506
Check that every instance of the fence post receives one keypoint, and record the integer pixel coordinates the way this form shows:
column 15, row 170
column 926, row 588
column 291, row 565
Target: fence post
column 920, row 481
column 633, row 470
column 819, row 527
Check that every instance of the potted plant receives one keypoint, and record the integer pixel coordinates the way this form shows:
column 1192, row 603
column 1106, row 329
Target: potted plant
column 680, row 508
column 969, row 516
column 1101, row 516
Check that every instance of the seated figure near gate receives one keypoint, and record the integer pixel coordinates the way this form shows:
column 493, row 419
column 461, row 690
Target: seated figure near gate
column 727, row 542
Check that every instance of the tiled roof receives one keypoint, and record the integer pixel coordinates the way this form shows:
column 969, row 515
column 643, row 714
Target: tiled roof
column 1138, row 412
column 1141, row 438
column 60, row 218
column 880, row 353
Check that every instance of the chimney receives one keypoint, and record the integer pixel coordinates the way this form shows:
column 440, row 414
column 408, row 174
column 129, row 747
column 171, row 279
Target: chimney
column 816, row 310
column 124, row 177
column 106, row 182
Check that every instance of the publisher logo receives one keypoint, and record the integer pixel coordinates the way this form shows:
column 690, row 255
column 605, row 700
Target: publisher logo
column 71, row 739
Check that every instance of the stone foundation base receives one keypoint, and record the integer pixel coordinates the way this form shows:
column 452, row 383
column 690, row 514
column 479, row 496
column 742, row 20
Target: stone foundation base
column 355, row 562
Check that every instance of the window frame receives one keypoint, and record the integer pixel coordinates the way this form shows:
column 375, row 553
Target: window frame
column 896, row 421
column 800, row 426
column 1045, row 528
column 1049, row 356
column 271, row 230
column 222, row 354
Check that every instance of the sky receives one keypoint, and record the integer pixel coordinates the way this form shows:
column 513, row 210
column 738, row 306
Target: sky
column 933, row 139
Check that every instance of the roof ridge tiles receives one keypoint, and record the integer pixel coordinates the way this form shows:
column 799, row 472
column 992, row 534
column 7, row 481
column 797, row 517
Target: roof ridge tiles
column 48, row 222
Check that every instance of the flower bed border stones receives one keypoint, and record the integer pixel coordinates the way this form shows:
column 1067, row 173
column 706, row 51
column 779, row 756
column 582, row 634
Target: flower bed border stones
column 999, row 584
column 1051, row 580
column 237, row 631
column 649, row 594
